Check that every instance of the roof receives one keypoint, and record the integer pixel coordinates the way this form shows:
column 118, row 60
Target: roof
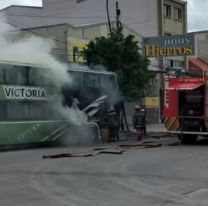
column 72, row 67
column 180, row 2
column 140, row 16
column 10, row 62
column 84, row 68
column 34, row 7
column 82, row 26
column 198, row 32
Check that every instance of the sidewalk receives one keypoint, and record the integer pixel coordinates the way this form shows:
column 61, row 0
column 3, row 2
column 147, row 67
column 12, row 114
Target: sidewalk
column 153, row 129
column 156, row 128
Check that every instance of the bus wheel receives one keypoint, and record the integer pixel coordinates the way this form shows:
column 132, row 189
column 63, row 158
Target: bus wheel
column 188, row 138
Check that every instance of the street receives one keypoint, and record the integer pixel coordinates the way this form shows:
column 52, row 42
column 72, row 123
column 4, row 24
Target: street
column 167, row 175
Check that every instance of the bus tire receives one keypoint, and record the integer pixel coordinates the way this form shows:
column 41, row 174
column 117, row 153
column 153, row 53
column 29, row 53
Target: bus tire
column 188, row 138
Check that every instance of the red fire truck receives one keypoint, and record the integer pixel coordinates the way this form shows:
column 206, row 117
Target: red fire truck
column 186, row 106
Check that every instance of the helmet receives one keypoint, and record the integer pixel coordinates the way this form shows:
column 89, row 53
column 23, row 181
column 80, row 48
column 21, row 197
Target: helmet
column 137, row 107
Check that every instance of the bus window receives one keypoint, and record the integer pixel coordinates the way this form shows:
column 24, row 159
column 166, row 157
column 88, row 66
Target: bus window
column 106, row 82
column 18, row 110
column 98, row 80
column 16, row 75
column 103, row 82
column 2, row 76
column 76, row 78
column 21, row 110
column 34, row 76
column 91, row 80
column 39, row 77
column 6, row 74
column 3, row 110
column 113, row 80
column 86, row 80
column 37, row 108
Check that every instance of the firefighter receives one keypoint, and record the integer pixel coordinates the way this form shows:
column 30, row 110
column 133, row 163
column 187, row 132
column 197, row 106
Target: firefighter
column 138, row 122
column 144, row 121
column 113, row 125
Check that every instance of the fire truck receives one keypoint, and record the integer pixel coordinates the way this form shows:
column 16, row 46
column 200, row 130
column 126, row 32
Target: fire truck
column 185, row 108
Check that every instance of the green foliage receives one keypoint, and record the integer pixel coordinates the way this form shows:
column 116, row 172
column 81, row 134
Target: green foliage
column 121, row 55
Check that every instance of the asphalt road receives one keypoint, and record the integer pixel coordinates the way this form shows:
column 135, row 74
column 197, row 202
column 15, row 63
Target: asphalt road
column 168, row 175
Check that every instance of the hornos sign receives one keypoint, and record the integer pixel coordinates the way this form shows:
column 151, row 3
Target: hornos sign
column 179, row 45
column 22, row 93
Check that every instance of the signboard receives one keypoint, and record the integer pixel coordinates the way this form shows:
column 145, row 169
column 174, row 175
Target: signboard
column 76, row 47
column 168, row 46
column 22, row 93
column 151, row 102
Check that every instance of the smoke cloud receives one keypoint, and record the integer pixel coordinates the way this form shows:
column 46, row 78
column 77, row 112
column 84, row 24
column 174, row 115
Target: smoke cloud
column 36, row 50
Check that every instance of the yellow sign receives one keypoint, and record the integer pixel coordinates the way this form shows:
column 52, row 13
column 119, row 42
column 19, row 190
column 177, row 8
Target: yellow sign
column 176, row 45
column 157, row 51
column 151, row 102
column 76, row 47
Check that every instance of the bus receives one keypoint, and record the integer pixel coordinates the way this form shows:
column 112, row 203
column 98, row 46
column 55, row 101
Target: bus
column 27, row 100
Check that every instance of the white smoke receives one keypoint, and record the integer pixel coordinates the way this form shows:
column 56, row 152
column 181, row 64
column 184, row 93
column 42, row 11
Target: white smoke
column 72, row 114
column 36, row 50
column 30, row 49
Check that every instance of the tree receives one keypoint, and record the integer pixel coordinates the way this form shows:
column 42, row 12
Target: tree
column 121, row 55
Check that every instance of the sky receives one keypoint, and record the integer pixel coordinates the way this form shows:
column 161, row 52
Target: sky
column 197, row 15
column 197, row 11
column 6, row 3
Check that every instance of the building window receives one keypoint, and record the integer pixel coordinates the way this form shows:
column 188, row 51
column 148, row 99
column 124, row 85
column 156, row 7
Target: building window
column 178, row 14
column 175, row 63
column 167, row 10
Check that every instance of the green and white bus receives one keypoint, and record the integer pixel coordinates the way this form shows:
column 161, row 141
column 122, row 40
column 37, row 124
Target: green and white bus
column 26, row 112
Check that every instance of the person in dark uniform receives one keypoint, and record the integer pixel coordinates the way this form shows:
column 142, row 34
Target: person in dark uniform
column 67, row 93
column 138, row 122
column 144, row 121
column 113, row 125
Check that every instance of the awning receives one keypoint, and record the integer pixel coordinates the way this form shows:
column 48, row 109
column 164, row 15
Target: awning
column 186, row 85
column 198, row 63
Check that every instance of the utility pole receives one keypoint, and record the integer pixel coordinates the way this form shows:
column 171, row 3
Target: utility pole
column 107, row 11
column 118, row 12
column 109, row 23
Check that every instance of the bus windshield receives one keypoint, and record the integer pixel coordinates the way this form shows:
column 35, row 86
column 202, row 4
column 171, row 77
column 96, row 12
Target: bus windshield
column 88, row 85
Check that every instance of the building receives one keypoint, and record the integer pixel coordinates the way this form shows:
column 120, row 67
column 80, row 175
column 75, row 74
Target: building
column 174, row 22
column 171, row 18
column 70, row 23
column 145, row 17
column 70, row 40
column 199, row 61
column 201, row 44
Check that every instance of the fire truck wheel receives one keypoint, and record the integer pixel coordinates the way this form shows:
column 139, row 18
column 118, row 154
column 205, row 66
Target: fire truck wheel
column 188, row 139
